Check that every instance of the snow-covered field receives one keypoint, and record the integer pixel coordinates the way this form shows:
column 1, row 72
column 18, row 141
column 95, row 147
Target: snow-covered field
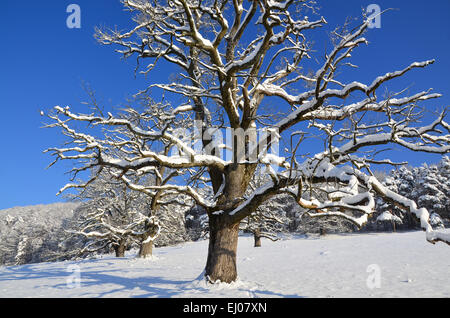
column 331, row 266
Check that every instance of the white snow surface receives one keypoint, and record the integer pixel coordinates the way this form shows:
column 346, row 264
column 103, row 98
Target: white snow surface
column 330, row 266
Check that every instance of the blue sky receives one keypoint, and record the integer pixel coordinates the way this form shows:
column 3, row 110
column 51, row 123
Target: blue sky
column 43, row 64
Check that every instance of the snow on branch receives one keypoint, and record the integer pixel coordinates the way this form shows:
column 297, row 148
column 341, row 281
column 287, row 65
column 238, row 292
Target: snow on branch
column 347, row 191
column 307, row 109
column 141, row 157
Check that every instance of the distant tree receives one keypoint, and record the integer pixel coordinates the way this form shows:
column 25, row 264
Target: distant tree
column 33, row 234
column 132, row 207
column 270, row 218
column 387, row 218
column 24, row 251
column 324, row 226
column 404, row 182
column 197, row 226
column 433, row 189
column 113, row 216
column 266, row 222
column 429, row 185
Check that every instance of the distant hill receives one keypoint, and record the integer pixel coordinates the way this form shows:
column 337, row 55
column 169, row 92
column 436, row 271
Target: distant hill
column 63, row 209
column 28, row 233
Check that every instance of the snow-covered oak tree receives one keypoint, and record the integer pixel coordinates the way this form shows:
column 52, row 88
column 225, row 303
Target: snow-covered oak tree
column 114, row 216
column 233, row 59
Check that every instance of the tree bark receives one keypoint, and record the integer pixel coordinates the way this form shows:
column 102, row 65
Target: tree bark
column 223, row 240
column 257, row 237
column 146, row 249
column 224, row 228
column 120, row 249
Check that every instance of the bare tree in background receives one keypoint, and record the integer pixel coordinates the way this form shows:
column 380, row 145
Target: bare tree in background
column 270, row 218
column 120, row 207
column 265, row 222
column 114, row 216
column 234, row 57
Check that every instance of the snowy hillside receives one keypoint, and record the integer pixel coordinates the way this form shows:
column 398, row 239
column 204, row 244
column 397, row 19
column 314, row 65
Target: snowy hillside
column 356, row 265
column 31, row 233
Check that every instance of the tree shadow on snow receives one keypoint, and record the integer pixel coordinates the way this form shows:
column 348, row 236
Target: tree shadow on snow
column 41, row 270
column 113, row 282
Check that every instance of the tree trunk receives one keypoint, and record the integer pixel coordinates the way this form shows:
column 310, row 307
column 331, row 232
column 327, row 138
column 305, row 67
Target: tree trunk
column 146, row 249
column 120, row 249
column 223, row 228
column 223, row 240
column 257, row 237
